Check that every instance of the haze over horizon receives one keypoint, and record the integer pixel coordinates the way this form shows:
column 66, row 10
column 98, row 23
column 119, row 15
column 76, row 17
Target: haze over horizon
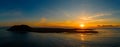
column 59, row 12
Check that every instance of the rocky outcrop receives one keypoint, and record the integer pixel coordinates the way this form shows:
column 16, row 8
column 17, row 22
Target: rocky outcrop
column 20, row 28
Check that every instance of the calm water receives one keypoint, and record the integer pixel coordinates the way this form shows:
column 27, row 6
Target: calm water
column 105, row 38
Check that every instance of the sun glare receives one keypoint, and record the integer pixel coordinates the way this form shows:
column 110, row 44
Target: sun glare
column 82, row 25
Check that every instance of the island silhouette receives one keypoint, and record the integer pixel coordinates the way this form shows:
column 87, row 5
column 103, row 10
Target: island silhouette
column 26, row 28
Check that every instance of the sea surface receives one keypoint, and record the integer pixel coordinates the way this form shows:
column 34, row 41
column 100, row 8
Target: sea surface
column 105, row 38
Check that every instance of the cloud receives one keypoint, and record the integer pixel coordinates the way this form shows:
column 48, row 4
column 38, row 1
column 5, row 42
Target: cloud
column 100, row 15
column 12, row 13
column 93, row 17
column 43, row 20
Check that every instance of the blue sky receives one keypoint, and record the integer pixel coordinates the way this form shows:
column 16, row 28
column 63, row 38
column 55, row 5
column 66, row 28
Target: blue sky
column 59, row 11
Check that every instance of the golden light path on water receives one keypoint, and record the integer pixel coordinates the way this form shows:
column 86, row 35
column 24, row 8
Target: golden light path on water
column 82, row 37
column 104, row 37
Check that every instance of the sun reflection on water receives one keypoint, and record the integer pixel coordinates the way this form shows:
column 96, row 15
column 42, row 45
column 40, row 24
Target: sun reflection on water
column 85, row 37
column 82, row 37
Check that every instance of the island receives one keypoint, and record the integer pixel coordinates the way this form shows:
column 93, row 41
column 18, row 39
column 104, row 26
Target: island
column 26, row 28
column 20, row 28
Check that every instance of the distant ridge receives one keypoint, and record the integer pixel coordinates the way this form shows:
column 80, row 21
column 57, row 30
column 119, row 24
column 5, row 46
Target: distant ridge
column 26, row 28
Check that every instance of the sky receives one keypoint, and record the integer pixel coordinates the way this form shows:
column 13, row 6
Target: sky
column 59, row 12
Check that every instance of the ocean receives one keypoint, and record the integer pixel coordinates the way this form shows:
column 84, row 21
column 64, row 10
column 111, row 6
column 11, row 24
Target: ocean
column 105, row 38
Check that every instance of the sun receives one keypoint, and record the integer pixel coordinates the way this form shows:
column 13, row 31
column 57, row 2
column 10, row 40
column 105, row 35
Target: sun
column 82, row 25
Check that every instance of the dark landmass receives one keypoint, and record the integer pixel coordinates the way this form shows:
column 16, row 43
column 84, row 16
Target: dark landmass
column 20, row 28
column 26, row 28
